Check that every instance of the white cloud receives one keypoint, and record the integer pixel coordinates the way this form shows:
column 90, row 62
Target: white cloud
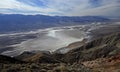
column 62, row 7
column 7, row 5
column 108, row 8
column 105, row 10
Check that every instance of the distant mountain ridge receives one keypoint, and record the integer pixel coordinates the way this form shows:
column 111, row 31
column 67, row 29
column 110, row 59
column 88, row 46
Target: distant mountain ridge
column 17, row 22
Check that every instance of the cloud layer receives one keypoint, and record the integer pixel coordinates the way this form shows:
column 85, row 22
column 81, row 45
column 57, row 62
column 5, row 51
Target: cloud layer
column 61, row 7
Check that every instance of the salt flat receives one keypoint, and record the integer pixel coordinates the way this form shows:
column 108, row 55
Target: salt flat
column 50, row 39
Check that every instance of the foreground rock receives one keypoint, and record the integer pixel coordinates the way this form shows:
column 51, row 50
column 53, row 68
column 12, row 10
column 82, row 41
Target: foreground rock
column 38, row 63
column 111, row 64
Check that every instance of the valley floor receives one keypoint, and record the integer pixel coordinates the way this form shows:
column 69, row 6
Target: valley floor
column 100, row 54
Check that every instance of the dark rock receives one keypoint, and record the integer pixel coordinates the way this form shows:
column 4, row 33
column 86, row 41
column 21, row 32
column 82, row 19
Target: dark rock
column 6, row 59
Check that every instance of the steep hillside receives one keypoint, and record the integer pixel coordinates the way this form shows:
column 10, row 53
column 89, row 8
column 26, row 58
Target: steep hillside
column 100, row 48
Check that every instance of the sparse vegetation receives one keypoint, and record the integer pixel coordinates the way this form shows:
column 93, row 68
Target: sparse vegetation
column 57, row 67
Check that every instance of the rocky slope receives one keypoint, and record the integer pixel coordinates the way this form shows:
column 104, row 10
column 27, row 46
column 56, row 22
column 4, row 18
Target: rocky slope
column 39, row 62
column 111, row 64
column 44, row 67
column 103, row 47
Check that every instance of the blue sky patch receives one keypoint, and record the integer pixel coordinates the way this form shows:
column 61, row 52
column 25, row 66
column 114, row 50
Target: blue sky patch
column 38, row 3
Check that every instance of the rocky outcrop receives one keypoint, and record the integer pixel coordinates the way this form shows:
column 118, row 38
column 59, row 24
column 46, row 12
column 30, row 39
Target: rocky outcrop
column 37, row 57
column 111, row 64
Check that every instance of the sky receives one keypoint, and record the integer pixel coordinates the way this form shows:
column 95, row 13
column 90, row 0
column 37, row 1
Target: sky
column 61, row 7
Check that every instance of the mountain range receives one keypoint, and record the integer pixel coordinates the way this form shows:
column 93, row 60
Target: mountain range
column 17, row 22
